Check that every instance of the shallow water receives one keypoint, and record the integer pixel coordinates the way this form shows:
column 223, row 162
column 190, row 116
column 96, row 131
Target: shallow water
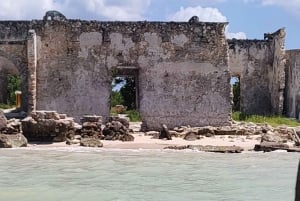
column 126, row 175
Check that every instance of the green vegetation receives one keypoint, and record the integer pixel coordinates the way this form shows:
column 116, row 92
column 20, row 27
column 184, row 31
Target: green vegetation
column 6, row 106
column 14, row 84
column 126, row 96
column 133, row 115
column 128, row 92
column 236, row 95
column 116, row 98
column 272, row 120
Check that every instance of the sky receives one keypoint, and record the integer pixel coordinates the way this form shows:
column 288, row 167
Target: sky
column 247, row 18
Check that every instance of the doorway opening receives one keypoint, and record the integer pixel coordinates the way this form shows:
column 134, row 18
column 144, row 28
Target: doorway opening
column 10, row 85
column 124, row 98
column 236, row 90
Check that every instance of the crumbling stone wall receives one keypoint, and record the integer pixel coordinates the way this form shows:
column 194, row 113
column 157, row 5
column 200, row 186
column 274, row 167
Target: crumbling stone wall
column 251, row 59
column 277, row 73
column 260, row 66
column 183, row 76
column 292, row 90
column 183, row 69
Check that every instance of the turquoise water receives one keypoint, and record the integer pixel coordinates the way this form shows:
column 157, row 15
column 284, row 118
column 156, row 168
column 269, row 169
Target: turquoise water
column 124, row 175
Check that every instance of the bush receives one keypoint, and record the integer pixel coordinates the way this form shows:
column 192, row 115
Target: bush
column 116, row 98
column 133, row 115
column 14, row 84
column 6, row 106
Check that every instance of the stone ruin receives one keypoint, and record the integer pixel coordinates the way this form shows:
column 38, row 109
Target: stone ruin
column 183, row 69
column 10, row 133
column 50, row 126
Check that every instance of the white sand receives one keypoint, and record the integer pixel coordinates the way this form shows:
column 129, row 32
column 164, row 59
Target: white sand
column 145, row 142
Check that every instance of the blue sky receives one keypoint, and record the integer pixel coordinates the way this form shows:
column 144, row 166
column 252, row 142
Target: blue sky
column 247, row 18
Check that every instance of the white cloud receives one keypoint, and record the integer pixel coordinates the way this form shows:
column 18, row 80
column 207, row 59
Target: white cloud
column 108, row 9
column 205, row 15
column 25, row 9
column 87, row 9
column 238, row 35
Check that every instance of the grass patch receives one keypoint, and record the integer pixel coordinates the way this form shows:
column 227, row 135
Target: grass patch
column 133, row 115
column 272, row 120
column 6, row 106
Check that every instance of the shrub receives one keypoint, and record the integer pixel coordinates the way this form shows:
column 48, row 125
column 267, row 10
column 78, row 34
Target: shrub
column 133, row 115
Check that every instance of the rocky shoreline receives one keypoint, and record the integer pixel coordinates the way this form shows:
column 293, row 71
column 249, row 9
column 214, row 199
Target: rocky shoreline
column 50, row 126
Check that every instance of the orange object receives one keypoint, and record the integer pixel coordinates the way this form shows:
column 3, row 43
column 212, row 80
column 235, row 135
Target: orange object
column 18, row 98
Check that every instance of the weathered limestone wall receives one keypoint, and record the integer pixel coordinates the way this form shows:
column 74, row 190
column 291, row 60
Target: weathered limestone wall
column 13, row 39
column 72, row 75
column 292, row 92
column 251, row 60
column 184, row 78
column 183, row 69
column 260, row 66
column 277, row 73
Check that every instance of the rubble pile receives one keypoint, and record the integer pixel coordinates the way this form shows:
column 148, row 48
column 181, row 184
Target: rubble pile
column 48, row 126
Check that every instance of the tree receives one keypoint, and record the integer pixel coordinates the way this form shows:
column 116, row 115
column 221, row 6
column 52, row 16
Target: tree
column 116, row 98
column 128, row 92
column 14, row 84
column 236, row 96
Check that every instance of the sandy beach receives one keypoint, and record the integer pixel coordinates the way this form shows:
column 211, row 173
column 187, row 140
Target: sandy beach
column 146, row 142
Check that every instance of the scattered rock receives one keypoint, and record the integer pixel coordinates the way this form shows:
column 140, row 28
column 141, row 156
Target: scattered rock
column 191, row 136
column 74, row 141
column 13, row 127
column 225, row 131
column 177, row 147
column 91, row 118
column 271, row 137
column 91, row 129
column 126, row 138
column 270, row 146
column 90, row 142
column 12, row 141
column 217, row 149
column 123, row 121
column 152, row 133
column 209, row 135
column 164, row 133
column 179, row 130
column 3, row 120
column 46, row 126
column 209, row 148
column 117, row 129
column 174, row 133
column 206, row 131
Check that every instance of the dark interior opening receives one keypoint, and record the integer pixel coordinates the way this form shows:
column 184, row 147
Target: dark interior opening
column 235, row 83
column 124, row 97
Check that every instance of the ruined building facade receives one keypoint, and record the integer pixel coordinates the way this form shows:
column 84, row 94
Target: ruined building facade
column 182, row 69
